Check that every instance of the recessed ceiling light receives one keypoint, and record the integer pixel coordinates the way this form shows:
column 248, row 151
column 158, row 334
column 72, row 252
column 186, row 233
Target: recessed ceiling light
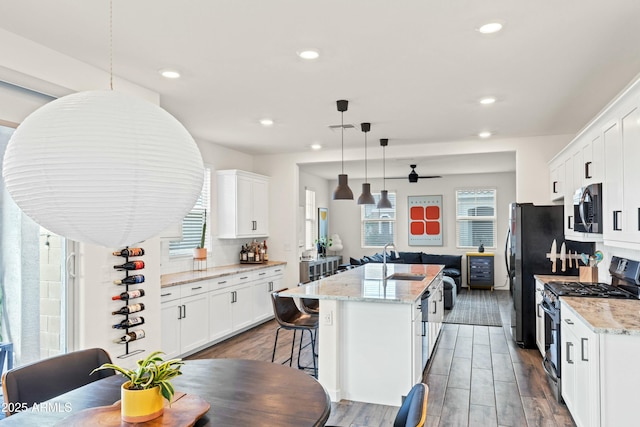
column 309, row 54
column 170, row 74
column 266, row 122
column 316, row 146
column 484, row 134
column 487, row 100
column 490, row 28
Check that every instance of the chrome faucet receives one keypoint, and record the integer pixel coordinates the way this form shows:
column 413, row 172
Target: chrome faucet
column 384, row 258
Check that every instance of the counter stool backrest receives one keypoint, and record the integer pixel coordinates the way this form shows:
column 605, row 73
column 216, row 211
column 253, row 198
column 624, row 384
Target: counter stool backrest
column 48, row 378
column 285, row 309
column 413, row 412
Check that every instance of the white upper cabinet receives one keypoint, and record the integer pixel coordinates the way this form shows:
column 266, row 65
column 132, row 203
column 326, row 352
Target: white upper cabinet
column 556, row 180
column 243, row 204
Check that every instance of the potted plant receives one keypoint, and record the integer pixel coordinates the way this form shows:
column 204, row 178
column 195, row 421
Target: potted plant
column 201, row 252
column 142, row 396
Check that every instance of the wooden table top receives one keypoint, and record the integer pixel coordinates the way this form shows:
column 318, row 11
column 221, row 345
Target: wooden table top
column 241, row 393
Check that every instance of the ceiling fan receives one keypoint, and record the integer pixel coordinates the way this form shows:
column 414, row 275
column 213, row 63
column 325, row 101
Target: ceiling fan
column 413, row 175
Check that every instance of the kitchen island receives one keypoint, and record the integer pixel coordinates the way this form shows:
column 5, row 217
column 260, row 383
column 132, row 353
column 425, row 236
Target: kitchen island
column 370, row 334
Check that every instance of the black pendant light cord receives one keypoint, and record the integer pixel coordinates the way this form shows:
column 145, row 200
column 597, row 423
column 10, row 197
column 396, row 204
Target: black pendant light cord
column 384, row 168
column 342, row 130
column 365, row 157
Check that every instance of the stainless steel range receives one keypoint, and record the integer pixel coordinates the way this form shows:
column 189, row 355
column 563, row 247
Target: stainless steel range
column 625, row 283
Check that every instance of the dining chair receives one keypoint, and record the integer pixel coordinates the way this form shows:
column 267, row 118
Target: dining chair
column 43, row 380
column 289, row 317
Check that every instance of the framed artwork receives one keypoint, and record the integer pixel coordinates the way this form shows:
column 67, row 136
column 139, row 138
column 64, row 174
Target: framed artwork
column 425, row 221
column 323, row 223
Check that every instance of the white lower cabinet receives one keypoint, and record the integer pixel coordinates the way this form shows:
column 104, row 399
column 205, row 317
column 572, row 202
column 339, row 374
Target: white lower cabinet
column 201, row 313
column 268, row 281
column 183, row 309
column 436, row 312
column 540, row 320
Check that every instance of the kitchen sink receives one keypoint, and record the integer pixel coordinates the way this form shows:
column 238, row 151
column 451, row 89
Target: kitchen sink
column 406, row 276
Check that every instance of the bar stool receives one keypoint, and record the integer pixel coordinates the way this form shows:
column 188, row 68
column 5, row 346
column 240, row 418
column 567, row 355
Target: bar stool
column 309, row 305
column 290, row 317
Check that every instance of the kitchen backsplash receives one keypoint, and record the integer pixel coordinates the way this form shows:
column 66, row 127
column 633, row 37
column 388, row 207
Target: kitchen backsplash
column 223, row 252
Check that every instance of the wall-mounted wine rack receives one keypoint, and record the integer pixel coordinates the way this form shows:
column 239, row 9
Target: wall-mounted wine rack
column 125, row 325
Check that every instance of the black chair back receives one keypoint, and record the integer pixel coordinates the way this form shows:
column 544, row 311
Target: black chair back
column 43, row 380
column 413, row 412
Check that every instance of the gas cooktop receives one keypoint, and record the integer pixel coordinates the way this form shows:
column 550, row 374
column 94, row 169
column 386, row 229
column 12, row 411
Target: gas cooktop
column 582, row 289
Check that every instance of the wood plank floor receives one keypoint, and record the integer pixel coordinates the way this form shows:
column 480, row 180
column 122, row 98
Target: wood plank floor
column 477, row 377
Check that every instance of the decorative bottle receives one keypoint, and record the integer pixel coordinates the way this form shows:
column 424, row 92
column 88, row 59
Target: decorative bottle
column 127, row 323
column 131, row 265
column 130, row 336
column 265, row 256
column 130, row 280
column 129, row 295
column 129, row 309
column 129, row 252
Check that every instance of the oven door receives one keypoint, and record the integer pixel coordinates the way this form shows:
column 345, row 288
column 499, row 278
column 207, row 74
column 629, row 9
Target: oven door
column 551, row 361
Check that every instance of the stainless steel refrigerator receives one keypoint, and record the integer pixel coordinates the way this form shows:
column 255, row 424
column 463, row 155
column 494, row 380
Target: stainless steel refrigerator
column 532, row 230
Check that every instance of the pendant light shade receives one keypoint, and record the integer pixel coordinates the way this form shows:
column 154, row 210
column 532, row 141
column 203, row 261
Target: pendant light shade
column 104, row 168
column 384, row 202
column 366, row 198
column 342, row 192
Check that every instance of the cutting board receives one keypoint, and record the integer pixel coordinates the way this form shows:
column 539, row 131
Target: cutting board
column 184, row 411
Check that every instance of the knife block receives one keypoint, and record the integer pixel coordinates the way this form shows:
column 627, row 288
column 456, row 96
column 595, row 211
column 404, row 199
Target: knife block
column 589, row 274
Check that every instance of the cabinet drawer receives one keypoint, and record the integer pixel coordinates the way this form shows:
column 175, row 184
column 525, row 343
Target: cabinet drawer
column 245, row 277
column 194, row 288
column 169, row 293
column 222, row 282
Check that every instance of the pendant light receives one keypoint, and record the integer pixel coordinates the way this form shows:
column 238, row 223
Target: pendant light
column 103, row 167
column 366, row 198
column 342, row 192
column 384, row 202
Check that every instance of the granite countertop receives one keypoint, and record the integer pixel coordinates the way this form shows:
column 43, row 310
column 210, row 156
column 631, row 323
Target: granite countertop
column 555, row 278
column 607, row 316
column 366, row 283
column 167, row 280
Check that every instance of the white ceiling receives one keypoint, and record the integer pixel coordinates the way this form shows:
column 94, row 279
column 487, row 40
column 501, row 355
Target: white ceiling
column 414, row 69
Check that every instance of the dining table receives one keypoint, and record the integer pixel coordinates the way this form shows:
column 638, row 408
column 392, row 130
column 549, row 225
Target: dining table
column 240, row 392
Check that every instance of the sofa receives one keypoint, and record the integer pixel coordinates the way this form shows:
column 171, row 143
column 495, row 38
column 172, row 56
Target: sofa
column 452, row 268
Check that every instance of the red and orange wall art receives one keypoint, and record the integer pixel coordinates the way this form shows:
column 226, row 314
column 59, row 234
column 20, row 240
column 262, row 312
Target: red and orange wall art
column 425, row 220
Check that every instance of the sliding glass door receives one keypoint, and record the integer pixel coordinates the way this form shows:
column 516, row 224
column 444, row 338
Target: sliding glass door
column 36, row 269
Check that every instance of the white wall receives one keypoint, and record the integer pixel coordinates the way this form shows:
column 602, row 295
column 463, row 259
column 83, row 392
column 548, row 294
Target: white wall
column 344, row 215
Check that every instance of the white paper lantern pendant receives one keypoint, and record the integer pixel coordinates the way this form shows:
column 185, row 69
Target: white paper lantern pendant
column 103, row 167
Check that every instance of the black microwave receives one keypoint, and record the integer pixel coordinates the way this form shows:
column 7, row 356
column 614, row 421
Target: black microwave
column 587, row 209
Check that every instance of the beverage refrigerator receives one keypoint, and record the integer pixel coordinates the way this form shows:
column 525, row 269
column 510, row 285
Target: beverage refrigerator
column 532, row 229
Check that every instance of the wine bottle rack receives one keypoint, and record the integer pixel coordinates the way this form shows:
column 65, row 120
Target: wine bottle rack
column 128, row 352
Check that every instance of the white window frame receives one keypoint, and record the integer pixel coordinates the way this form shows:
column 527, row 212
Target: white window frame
column 310, row 219
column 393, row 198
column 190, row 227
column 466, row 218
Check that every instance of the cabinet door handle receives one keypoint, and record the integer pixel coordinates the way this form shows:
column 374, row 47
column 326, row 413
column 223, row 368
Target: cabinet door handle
column 569, row 345
column 222, row 283
column 569, row 225
column 165, row 295
column 179, row 312
column 587, row 171
column 568, row 321
column 555, row 187
column 261, row 274
column 184, row 311
column 582, row 352
column 638, row 219
column 196, row 288
column 538, row 311
column 244, row 278
column 616, row 223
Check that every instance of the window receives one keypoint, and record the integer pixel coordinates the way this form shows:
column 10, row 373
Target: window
column 310, row 229
column 192, row 223
column 378, row 225
column 476, row 218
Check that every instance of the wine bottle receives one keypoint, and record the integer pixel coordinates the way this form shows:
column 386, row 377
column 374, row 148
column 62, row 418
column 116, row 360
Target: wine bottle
column 129, row 309
column 131, row 265
column 265, row 255
column 130, row 280
column 130, row 336
column 127, row 323
column 245, row 253
column 129, row 252
column 137, row 293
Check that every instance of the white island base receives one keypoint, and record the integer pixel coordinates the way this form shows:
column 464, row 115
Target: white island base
column 369, row 352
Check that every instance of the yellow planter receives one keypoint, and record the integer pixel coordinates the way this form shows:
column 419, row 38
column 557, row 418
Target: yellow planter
column 139, row 406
